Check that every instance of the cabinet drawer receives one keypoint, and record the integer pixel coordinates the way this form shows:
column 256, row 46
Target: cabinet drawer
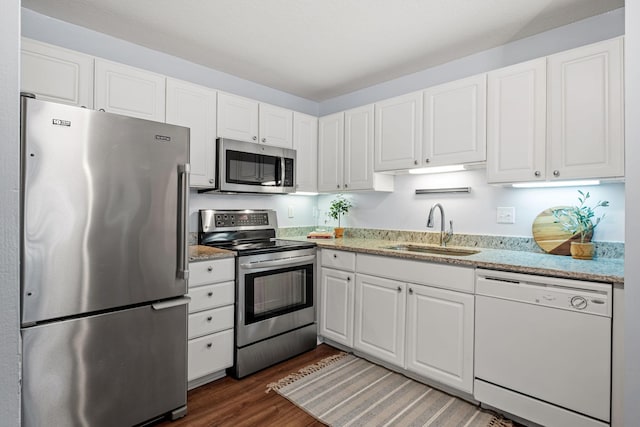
column 210, row 354
column 210, row 321
column 211, row 296
column 339, row 259
column 424, row 273
column 219, row 270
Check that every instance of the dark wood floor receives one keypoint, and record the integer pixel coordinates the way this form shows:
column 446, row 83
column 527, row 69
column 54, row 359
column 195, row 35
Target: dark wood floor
column 231, row 402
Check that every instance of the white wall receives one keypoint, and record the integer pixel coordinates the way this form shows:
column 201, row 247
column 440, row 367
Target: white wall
column 590, row 30
column 475, row 212
column 54, row 31
column 303, row 208
column 632, row 246
column 9, row 213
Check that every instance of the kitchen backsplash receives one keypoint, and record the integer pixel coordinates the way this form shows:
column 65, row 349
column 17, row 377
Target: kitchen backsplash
column 528, row 244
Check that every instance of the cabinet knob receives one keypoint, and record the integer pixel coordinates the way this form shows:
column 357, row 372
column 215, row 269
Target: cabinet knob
column 335, row 256
column 345, row 186
column 556, row 173
column 210, row 294
column 415, row 162
column 210, row 269
column 410, row 291
column 102, row 109
column 537, row 173
column 399, row 288
column 264, row 139
column 211, row 181
column 338, row 186
column 427, row 160
column 348, row 278
column 209, row 345
column 209, row 319
column 254, row 137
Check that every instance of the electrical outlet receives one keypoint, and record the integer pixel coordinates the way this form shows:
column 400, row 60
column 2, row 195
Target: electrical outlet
column 506, row 215
column 290, row 211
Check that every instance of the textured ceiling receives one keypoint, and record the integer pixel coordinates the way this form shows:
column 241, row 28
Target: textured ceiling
column 319, row 49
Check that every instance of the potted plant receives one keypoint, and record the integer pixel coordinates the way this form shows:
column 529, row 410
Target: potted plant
column 338, row 207
column 581, row 221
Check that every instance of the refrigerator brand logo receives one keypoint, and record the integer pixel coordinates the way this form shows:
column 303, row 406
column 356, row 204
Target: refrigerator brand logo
column 60, row 122
column 162, row 138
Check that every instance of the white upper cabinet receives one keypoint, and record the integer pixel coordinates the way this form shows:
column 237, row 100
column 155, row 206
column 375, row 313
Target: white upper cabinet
column 346, row 153
column 276, row 126
column 194, row 107
column 245, row 119
column 56, row 74
column 331, row 152
column 129, row 91
column 585, row 112
column 516, row 122
column 455, row 122
column 305, row 142
column 237, row 117
column 398, row 132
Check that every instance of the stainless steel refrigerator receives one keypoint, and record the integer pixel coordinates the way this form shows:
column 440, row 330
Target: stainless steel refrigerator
column 104, row 267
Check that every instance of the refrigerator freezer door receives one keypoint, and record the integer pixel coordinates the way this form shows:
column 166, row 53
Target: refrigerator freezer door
column 102, row 226
column 115, row 369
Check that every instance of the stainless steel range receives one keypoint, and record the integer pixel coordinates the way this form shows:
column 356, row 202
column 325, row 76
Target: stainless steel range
column 275, row 287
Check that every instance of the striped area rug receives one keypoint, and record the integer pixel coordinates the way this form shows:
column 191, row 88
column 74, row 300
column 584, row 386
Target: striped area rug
column 345, row 390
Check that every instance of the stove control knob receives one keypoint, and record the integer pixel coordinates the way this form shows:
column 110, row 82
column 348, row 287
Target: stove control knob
column 578, row 302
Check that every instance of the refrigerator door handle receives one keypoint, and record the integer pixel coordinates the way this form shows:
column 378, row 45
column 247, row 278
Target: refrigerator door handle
column 183, row 242
column 171, row 303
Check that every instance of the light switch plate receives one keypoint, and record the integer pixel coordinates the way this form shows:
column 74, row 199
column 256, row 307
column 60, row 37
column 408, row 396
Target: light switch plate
column 506, row 215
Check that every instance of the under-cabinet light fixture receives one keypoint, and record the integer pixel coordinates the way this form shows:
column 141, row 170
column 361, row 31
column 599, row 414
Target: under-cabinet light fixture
column 438, row 169
column 303, row 193
column 551, row 184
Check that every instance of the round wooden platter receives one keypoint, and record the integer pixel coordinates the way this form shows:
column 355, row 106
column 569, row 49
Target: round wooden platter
column 549, row 234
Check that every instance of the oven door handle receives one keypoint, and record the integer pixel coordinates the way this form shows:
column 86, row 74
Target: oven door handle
column 278, row 262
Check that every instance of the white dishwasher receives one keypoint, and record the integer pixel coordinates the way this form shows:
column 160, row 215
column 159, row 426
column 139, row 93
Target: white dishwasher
column 543, row 348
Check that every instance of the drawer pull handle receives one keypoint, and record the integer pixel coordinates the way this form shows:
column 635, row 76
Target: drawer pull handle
column 209, row 319
column 399, row 289
column 335, row 256
column 410, row 291
column 209, row 345
column 210, row 269
column 210, row 294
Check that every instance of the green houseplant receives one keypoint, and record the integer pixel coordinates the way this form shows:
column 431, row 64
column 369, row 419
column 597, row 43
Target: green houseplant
column 338, row 207
column 580, row 220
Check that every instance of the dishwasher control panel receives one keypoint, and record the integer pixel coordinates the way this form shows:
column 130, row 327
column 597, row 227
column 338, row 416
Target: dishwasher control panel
column 573, row 295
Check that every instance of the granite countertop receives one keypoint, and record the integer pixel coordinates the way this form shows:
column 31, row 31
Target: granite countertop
column 205, row 253
column 599, row 269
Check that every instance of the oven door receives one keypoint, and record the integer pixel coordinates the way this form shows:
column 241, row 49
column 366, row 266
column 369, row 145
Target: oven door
column 276, row 294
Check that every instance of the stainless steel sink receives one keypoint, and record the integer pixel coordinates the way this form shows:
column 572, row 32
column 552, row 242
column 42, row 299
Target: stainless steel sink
column 438, row 250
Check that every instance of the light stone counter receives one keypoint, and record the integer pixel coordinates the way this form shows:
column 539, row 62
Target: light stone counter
column 206, row 253
column 600, row 269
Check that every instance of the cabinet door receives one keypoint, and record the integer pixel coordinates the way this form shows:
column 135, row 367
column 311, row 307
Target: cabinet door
column 330, row 152
column 516, row 122
column 237, row 117
column 380, row 318
column 305, row 142
column 276, row 126
column 398, row 132
column 336, row 306
column 358, row 148
column 129, row 91
column 56, row 74
column 194, row 106
column 455, row 122
column 586, row 129
column 440, row 335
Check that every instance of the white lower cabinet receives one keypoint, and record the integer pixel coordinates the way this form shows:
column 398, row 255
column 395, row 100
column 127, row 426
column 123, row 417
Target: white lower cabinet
column 211, row 319
column 336, row 312
column 380, row 318
column 439, row 340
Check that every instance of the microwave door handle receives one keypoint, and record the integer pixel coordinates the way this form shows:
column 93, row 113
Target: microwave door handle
column 278, row 262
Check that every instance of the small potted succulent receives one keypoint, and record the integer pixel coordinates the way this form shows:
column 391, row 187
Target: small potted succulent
column 581, row 221
column 338, row 207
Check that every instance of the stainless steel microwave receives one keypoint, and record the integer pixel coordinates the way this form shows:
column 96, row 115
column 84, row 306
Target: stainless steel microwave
column 248, row 167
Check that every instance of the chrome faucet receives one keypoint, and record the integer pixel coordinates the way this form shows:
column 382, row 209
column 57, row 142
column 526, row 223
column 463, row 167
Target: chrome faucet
column 445, row 236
